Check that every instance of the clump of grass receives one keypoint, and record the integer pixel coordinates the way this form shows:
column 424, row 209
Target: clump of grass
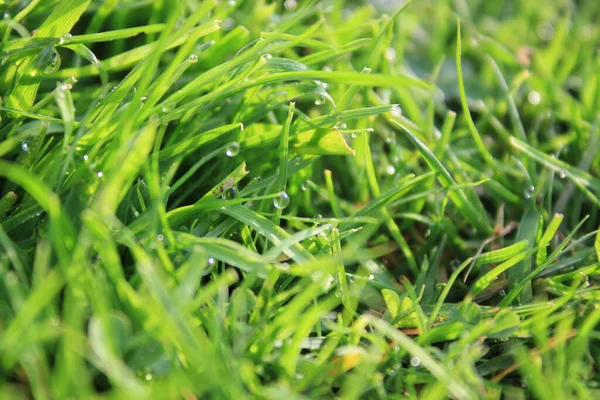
column 299, row 199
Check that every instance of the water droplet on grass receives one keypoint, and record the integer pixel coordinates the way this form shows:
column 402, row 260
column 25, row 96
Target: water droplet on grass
column 320, row 101
column 229, row 194
column 390, row 54
column 282, row 201
column 227, row 24
column 66, row 38
column 415, row 361
column 290, row 5
column 390, row 170
column 160, row 237
column 193, row 58
column 100, row 174
column 562, row 174
column 534, row 97
column 25, row 146
column 233, row 149
column 545, row 30
column 529, row 191
column 305, row 185
column 211, row 261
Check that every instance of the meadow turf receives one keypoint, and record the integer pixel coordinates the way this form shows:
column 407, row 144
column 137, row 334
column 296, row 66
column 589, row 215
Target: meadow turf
column 299, row 199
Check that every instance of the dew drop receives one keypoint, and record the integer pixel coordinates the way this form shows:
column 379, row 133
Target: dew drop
column 415, row 361
column 503, row 293
column 66, row 86
column 100, row 174
column 390, row 170
column 339, row 293
column 320, row 101
column 545, row 30
column 267, row 56
column 160, row 237
column 54, row 321
column 290, row 5
column 233, row 149
column 85, row 157
column 529, row 191
column 193, row 58
column 148, row 377
column 318, row 216
column 282, row 201
column 66, row 38
column 229, row 194
column 305, row 185
column 231, row 3
column 164, row 109
column 562, row 174
column 371, row 277
column 6, row 15
column 227, row 24
column 25, row 146
column 455, row 263
column 390, row 54
column 396, row 111
column 355, row 134
column 341, row 125
column 534, row 97
column 211, row 261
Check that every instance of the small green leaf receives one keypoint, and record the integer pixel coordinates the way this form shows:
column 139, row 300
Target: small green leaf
column 392, row 302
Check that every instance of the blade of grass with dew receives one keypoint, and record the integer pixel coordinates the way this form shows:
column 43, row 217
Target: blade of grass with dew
column 469, row 211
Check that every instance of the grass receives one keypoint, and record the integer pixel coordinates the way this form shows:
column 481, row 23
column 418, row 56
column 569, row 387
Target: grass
column 303, row 199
